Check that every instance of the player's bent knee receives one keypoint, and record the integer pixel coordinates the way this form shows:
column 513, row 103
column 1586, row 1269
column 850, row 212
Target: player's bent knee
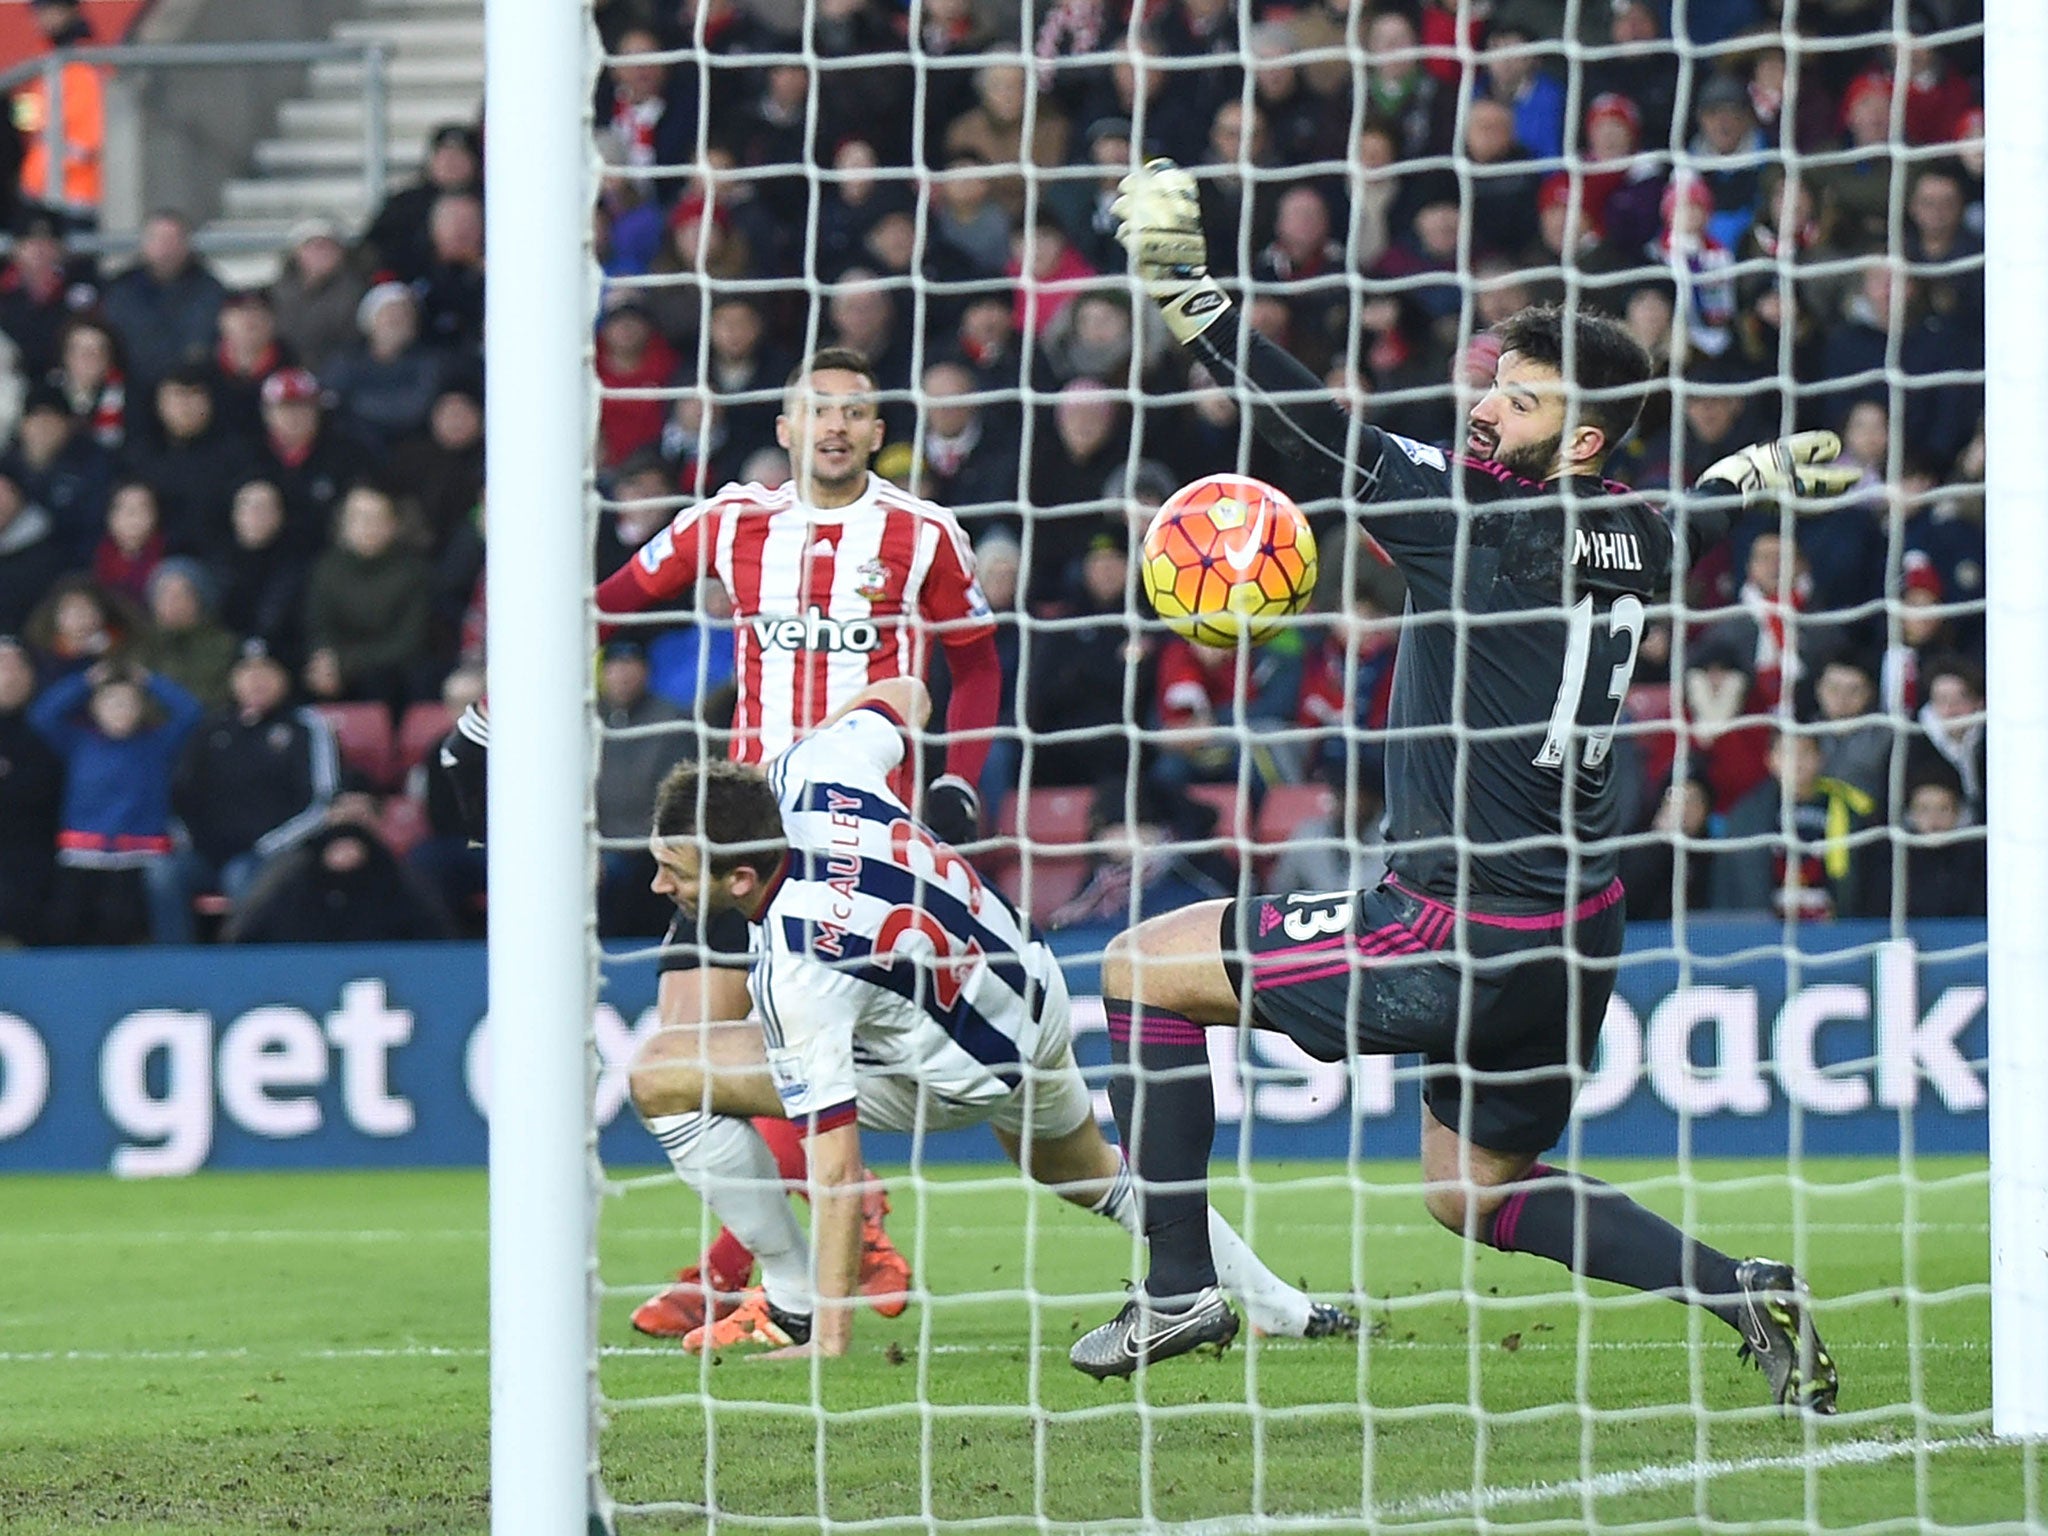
column 648, row 1099
column 1078, row 1165
column 664, row 1087
column 666, row 1076
column 1463, row 1186
column 1135, row 964
column 1116, row 964
column 1173, row 962
column 1460, row 1210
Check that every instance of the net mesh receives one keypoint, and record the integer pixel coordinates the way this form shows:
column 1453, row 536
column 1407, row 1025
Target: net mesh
column 1784, row 204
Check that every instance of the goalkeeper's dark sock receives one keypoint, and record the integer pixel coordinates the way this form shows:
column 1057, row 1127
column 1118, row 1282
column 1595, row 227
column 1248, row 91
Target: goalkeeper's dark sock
column 1165, row 1106
column 1597, row 1231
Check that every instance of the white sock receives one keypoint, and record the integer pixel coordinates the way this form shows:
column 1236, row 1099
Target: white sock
column 1274, row 1306
column 724, row 1159
column 1119, row 1202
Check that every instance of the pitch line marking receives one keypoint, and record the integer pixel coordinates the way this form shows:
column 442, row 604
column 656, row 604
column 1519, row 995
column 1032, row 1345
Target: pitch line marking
column 1650, row 1479
column 667, row 1352
column 1848, row 1453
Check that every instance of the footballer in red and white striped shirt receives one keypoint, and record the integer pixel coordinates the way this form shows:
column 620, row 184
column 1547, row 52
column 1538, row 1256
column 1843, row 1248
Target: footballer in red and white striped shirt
column 838, row 580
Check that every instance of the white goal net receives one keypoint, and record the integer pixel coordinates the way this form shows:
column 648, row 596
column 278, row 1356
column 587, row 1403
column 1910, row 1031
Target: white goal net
column 1783, row 202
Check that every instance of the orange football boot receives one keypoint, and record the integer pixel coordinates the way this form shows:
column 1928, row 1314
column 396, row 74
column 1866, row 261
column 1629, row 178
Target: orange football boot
column 884, row 1272
column 682, row 1308
column 755, row 1323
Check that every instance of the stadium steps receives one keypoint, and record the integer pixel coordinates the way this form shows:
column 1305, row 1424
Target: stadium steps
column 285, row 198
column 407, row 122
column 406, row 72
column 312, row 166
column 322, row 157
column 440, row 33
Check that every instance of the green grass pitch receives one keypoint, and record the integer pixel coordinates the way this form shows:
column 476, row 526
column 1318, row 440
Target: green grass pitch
column 307, row 1352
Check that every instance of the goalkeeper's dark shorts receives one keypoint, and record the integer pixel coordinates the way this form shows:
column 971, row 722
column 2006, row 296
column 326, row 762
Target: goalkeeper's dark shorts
column 726, row 942
column 1386, row 972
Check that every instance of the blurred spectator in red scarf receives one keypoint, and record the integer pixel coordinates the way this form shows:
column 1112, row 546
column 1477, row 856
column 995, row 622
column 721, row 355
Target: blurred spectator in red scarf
column 631, row 354
column 95, row 386
column 1922, row 635
column 1776, row 589
column 647, row 108
column 1726, row 714
column 1936, row 95
column 133, row 546
column 247, row 353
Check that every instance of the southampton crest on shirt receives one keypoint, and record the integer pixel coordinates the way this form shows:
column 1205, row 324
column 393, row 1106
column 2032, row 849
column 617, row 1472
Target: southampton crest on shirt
column 871, row 581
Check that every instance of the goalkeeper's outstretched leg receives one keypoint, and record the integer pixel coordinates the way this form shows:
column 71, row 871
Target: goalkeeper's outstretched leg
column 1505, row 1009
column 1518, row 1204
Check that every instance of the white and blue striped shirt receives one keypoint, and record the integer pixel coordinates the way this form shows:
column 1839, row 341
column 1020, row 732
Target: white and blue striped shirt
column 880, row 943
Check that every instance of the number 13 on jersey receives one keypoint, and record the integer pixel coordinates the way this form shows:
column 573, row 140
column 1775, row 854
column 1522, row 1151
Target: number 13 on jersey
column 1624, row 624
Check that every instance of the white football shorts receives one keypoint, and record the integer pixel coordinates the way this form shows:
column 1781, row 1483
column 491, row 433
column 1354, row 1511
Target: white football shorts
column 953, row 1090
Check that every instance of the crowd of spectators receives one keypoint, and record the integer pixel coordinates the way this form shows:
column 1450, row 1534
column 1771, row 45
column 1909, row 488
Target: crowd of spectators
column 233, row 522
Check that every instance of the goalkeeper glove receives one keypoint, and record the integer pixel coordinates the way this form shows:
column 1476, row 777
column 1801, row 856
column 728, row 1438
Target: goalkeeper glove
column 953, row 810
column 464, row 755
column 1802, row 464
column 1159, row 221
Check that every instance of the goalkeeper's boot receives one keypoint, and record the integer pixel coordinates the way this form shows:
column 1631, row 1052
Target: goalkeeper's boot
column 1330, row 1321
column 1778, row 1335
column 1142, row 1334
column 756, row 1323
column 1325, row 1321
column 884, row 1272
column 695, row 1299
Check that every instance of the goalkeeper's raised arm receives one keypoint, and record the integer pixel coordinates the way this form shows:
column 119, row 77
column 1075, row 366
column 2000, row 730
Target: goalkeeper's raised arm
column 1542, row 424
column 1159, row 222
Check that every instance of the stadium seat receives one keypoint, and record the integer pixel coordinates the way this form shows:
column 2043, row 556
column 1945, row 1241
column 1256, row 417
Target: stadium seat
column 1006, row 815
column 1232, row 821
column 1286, row 807
column 420, row 732
column 1054, row 880
column 403, row 824
column 362, row 733
column 1027, row 825
column 1047, row 816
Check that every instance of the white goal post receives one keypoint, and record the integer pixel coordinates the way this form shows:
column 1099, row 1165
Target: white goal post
column 2016, row 532
column 538, row 63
